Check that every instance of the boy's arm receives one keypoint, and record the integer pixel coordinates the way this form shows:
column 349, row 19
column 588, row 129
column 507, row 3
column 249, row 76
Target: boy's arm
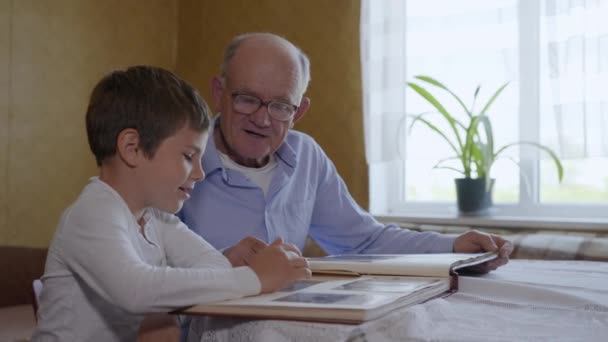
column 276, row 265
column 96, row 246
column 184, row 248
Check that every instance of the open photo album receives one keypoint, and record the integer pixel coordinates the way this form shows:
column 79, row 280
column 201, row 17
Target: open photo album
column 353, row 288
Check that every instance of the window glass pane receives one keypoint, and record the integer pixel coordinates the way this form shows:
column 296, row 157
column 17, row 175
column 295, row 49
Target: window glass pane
column 462, row 44
column 586, row 181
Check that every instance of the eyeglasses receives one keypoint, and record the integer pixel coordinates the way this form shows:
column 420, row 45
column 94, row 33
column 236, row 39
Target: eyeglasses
column 248, row 104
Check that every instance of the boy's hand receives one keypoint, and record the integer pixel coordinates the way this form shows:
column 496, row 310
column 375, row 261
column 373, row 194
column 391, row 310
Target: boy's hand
column 242, row 253
column 278, row 265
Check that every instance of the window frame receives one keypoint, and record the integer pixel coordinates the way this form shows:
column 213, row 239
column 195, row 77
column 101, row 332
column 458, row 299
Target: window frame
column 386, row 180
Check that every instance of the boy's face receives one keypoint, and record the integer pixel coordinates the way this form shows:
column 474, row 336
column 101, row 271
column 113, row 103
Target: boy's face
column 168, row 178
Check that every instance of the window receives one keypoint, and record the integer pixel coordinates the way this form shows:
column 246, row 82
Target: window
column 554, row 54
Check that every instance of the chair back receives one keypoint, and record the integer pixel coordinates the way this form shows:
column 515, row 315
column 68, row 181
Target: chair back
column 37, row 290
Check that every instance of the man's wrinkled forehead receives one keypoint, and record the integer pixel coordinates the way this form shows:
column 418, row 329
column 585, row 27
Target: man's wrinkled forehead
column 265, row 72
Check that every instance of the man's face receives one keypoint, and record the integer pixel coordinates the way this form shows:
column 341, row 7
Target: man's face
column 169, row 176
column 250, row 138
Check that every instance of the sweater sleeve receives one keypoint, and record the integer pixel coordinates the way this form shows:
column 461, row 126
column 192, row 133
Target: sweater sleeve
column 97, row 247
column 184, row 248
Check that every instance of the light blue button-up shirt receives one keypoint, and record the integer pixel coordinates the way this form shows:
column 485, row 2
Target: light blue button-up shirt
column 306, row 196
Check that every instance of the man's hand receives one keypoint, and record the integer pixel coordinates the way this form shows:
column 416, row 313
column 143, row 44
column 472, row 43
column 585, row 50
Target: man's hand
column 242, row 253
column 279, row 265
column 477, row 242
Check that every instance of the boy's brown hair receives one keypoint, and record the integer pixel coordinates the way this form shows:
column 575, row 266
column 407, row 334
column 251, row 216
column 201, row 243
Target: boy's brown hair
column 152, row 100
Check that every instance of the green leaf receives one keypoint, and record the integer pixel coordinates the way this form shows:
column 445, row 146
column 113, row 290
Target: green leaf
column 440, row 85
column 476, row 158
column 447, row 159
column 488, row 151
column 449, row 168
column 491, row 100
column 436, row 129
column 469, row 144
column 556, row 161
column 414, row 116
column 441, row 161
column 475, row 151
column 433, row 101
column 475, row 98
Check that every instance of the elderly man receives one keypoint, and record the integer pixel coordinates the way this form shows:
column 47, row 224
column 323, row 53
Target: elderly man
column 266, row 181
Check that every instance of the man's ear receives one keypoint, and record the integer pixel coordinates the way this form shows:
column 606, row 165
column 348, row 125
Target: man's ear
column 304, row 105
column 217, row 90
column 127, row 147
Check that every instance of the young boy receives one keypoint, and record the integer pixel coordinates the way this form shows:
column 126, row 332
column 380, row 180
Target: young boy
column 118, row 251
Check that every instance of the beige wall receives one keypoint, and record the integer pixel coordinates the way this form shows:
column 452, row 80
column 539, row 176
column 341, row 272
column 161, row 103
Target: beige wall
column 4, row 81
column 52, row 53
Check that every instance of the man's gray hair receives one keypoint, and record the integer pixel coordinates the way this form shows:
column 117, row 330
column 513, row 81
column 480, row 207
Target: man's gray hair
column 231, row 48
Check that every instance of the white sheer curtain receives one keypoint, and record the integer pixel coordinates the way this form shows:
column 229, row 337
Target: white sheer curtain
column 384, row 78
column 574, row 76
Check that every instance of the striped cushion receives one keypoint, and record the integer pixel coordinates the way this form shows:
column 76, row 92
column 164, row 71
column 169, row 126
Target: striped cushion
column 546, row 245
column 550, row 246
column 529, row 244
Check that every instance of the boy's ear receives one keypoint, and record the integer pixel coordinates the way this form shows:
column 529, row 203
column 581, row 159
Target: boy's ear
column 127, row 147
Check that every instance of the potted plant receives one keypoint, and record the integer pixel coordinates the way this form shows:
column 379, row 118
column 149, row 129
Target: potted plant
column 473, row 145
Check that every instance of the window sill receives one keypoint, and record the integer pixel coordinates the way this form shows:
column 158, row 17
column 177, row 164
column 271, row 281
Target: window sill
column 500, row 221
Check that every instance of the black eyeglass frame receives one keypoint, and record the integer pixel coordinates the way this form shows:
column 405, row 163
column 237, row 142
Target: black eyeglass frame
column 266, row 104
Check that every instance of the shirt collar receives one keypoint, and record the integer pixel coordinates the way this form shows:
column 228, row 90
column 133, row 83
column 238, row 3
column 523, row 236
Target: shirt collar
column 211, row 159
column 287, row 154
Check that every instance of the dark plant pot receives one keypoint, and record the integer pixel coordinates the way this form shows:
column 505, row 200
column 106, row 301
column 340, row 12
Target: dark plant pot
column 473, row 196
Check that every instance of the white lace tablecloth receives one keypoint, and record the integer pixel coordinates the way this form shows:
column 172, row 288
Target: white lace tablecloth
column 526, row 300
